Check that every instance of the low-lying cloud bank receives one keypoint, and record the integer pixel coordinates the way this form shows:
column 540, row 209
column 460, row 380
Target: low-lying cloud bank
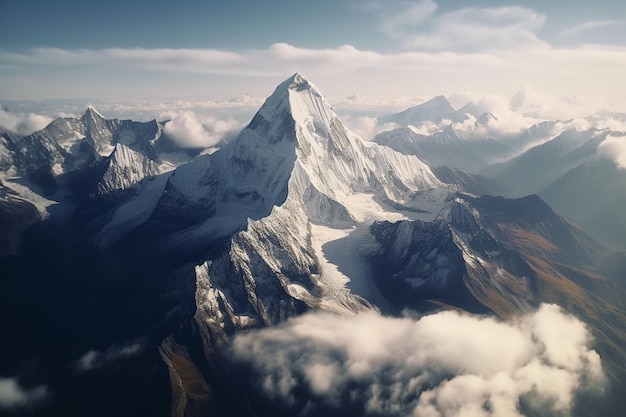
column 13, row 395
column 189, row 130
column 445, row 364
column 22, row 123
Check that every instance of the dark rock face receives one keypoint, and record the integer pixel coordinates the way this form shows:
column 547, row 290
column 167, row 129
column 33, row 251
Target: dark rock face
column 451, row 260
column 16, row 216
column 418, row 261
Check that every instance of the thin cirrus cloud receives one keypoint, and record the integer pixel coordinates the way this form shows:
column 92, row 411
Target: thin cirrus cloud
column 429, row 51
column 445, row 364
column 407, row 17
column 589, row 26
column 580, row 71
column 161, row 58
column 417, row 25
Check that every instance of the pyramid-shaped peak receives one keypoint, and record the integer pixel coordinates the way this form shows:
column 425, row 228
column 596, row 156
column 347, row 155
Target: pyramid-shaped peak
column 438, row 102
column 297, row 82
column 298, row 96
column 297, row 78
column 485, row 118
column 91, row 113
column 434, row 110
column 471, row 108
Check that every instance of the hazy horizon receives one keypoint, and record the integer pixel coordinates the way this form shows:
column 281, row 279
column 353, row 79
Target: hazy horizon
column 370, row 50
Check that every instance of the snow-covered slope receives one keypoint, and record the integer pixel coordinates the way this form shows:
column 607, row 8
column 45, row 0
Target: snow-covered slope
column 68, row 145
column 126, row 167
column 293, row 181
column 295, row 144
column 90, row 160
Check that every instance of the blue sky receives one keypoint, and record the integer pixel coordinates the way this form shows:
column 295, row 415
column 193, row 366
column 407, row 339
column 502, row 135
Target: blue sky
column 216, row 50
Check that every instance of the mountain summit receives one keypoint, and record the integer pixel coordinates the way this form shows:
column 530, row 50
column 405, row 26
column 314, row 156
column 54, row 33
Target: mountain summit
column 295, row 147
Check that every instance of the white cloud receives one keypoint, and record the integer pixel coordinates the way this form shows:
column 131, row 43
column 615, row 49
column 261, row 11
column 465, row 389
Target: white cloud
column 95, row 359
column 583, row 71
column 366, row 105
column 409, row 17
column 189, row 130
column 587, row 26
column 526, row 108
column 22, row 123
column 614, row 149
column 418, row 27
column 13, row 395
column 445, row 364
column 365, row 126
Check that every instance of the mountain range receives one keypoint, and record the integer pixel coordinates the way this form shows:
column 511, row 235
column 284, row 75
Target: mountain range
column 547, row 159
column 131, row 266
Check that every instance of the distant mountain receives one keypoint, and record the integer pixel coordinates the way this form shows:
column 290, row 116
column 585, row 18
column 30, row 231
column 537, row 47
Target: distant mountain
column 434, row 110
column 471, row 108
column 543, row 164
column 69, row 146
column 472, row 183
column 568, row 173
column 445, row 148
column 593, row 194
column 485, row 119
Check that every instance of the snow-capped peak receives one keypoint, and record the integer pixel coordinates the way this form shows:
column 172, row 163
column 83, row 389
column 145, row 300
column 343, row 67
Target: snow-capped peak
column 297, row 80
column 434, row 110
column 283, row 98
column 92, row 113
column 295, row 147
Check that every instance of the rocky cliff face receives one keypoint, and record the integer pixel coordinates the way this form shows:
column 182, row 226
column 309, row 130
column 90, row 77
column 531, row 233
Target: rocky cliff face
column 16, row 216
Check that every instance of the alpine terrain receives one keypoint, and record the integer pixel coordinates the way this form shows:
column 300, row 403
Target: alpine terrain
column 139, row 278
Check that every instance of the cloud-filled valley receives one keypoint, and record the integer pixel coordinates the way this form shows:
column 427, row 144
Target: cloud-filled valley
column 444, row 364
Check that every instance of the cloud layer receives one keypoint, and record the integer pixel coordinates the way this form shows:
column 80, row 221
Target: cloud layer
column 445, row 364
column 593, row 71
